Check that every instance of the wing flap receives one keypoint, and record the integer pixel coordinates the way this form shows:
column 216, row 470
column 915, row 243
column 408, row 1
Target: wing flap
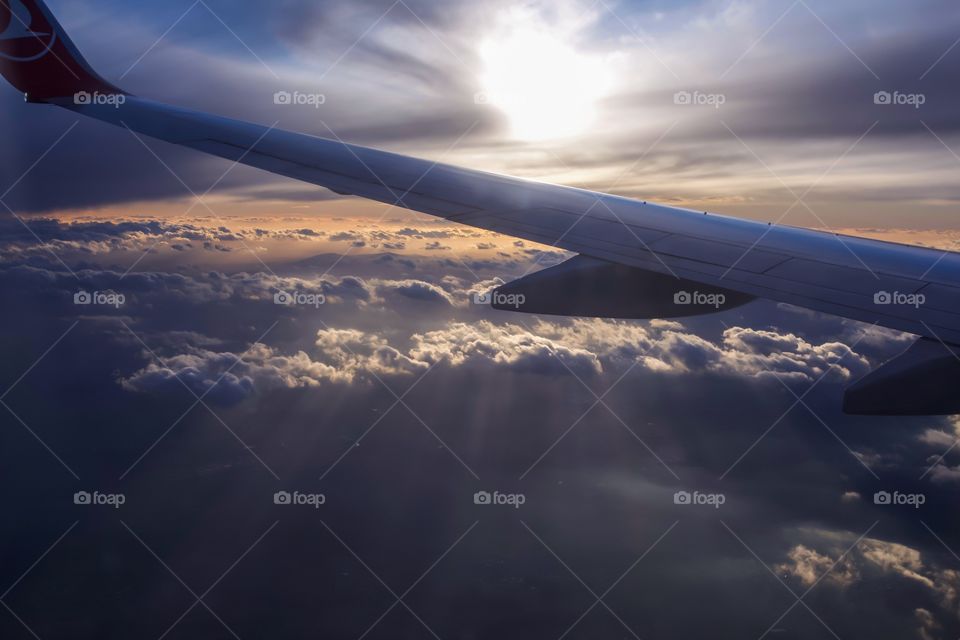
column 720, row 254
column 841, row 278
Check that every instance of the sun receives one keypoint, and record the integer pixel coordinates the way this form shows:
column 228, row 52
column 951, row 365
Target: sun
column 546, row 88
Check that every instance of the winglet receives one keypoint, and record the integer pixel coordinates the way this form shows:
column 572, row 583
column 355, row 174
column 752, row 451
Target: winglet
column 38, row 58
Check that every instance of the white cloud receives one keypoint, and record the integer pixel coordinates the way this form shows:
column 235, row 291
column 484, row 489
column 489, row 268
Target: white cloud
column 584, row 347
column 344, row 356
column 667, row 346
column 503, row 345
column 872, row 558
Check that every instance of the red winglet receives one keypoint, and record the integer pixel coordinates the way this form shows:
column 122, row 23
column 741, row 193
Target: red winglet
column 38, row 58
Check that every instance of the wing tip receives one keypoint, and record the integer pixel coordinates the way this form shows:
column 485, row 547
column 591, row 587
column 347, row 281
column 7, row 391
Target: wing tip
column 38, row 58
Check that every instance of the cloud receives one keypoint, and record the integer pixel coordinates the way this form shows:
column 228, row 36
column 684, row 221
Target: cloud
column 43, row 237
column 808, row 566
column 665, row 346
column 417, row 290
column 872, row 560
column 346, row 236
column 502, row 345
column 303, row 395
column 227, row 378
column 943, row 473
column 823, row 96
column 584, row 348
column 928, row 624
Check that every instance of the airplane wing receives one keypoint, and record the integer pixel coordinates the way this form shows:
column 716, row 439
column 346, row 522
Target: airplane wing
column 636, row 259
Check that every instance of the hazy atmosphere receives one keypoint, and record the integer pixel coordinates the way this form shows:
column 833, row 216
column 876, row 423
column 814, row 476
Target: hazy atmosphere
column 297, row 419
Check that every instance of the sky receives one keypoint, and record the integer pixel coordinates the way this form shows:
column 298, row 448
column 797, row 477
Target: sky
column 188, row 404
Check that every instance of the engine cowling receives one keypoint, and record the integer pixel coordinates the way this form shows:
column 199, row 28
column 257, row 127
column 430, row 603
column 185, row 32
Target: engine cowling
column 923, row 380
column 587, row 286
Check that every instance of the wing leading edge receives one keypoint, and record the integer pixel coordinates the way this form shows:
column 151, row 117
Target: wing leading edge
column 902, row 287
column 908, row 288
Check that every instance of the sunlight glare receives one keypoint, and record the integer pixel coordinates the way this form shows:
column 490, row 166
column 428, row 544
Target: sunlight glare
column 545, row 87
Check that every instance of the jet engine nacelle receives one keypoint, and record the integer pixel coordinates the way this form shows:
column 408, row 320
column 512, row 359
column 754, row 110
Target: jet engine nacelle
column 586, row 286
column 923, row 380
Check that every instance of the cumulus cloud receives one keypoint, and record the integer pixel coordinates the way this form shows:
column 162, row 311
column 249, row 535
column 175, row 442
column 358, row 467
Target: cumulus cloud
column 808, row 566
column 417, row 290
column 346, row 236
column 84, row 238
column 944, row 441
column 587, row 348
column 503, row 345
column 928, row 624
column 343, row 356
column 393, row 317
column 944, row 473
column 666, row 346
column 872, row 559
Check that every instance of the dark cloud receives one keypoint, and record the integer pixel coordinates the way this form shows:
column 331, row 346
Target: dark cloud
column 498, row 389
